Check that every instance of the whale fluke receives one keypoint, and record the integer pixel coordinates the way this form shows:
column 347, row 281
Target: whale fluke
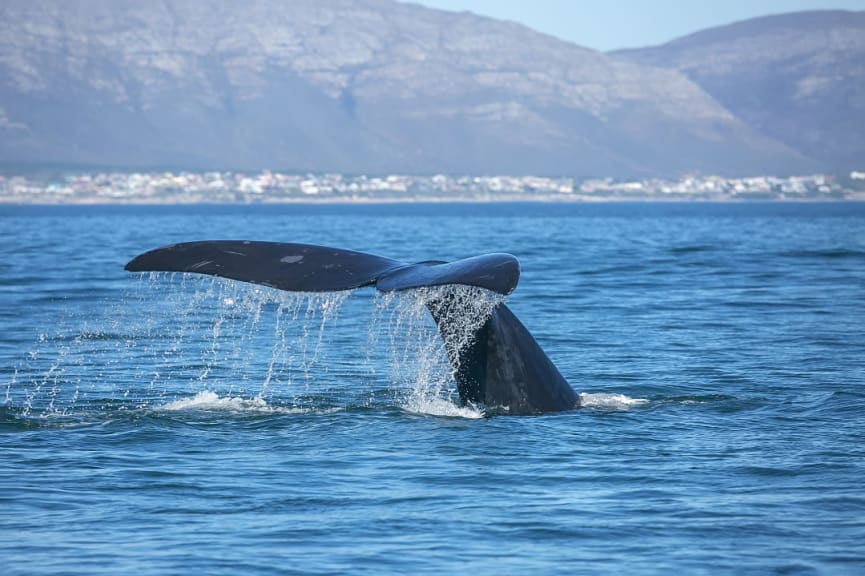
column 291, row 267
column 503, row 368
column 309, row 268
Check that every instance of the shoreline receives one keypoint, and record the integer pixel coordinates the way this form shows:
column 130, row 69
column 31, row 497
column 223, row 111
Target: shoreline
column 270, row 188
column 347, row 201
column 430, row 202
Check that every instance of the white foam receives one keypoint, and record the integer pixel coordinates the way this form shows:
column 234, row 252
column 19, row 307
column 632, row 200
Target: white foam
column 211, row 401
column 431, row 406
column 610, row 401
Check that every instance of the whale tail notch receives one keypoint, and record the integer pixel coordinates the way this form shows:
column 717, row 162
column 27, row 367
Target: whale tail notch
column 502, row 368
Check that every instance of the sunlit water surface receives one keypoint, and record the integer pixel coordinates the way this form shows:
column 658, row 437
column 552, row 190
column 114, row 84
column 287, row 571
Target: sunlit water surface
column 164, row 424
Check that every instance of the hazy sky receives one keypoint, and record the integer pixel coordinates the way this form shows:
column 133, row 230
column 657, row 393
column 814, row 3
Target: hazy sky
column 611, row 24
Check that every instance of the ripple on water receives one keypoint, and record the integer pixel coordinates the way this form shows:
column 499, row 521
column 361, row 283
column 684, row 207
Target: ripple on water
column 169, row 424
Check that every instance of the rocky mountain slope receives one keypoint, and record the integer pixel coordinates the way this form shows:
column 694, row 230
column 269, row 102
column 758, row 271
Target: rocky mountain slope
column 354, row 86
column 797, row 78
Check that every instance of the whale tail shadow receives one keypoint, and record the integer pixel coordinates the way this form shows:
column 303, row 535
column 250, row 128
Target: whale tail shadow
column 502, row 367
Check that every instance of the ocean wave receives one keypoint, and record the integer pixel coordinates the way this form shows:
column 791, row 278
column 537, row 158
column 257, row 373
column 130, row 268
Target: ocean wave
column 605, row 401
column 825, row 253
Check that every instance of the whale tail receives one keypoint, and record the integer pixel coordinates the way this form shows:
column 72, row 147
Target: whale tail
column 502, row 367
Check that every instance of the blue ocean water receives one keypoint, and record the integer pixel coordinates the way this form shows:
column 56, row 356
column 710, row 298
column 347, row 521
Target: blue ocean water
column 162, row 424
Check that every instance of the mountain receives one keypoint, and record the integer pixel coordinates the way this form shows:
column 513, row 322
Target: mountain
column 352, row 86
column 797, row 78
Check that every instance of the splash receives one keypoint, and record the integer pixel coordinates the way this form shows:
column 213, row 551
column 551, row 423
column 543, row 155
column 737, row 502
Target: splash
column 208, row 400
column 212, row 402
column 433, row 406
column 219, row 344
column 424, row 356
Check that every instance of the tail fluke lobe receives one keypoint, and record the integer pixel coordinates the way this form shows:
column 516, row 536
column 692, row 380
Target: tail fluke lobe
column 291, row 267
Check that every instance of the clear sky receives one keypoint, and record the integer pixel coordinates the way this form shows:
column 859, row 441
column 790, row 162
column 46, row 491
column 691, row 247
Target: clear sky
column 611, row 24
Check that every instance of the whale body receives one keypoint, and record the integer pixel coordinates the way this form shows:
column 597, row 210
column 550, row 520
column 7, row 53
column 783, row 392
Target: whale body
column 503, row 368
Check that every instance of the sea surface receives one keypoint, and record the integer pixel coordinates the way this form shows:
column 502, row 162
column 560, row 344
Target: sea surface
column 176, row 424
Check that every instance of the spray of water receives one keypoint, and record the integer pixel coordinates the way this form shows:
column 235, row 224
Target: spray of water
column 188, row 341
column 173, row 335
column 424, row 356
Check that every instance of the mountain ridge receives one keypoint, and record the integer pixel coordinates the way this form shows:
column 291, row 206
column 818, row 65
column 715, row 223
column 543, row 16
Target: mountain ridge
column 349, row 86
column 799, row 78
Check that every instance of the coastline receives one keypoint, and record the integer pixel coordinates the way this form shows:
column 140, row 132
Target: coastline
column 347, row 201
column 266, row 187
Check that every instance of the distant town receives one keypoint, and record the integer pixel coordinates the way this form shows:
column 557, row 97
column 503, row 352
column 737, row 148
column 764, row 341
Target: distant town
column 275, row 187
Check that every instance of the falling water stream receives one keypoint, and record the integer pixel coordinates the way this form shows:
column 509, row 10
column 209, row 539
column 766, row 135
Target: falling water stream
column 185, row 341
